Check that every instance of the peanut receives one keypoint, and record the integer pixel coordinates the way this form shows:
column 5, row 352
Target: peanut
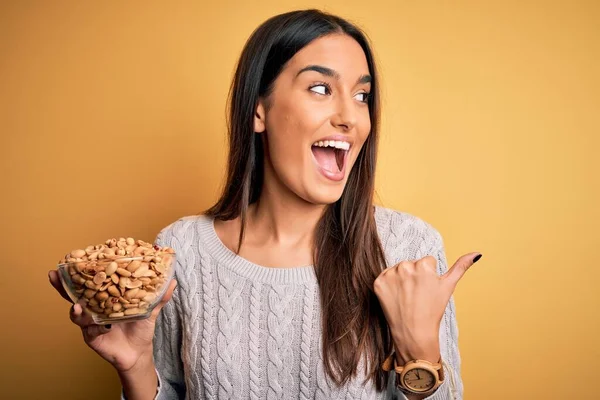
column 123, row 272
column 101, row 296
column 78, row 253
column 111, row 269
column 149, row 298
column 116, row 315
column 114, row 291
column 134, row 265
column 130, row 294
column 91, row 285
column 99, row 278
column 132, row 284
column 123, row 282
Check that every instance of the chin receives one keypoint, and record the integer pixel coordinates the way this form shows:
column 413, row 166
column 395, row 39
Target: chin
column 324, row 196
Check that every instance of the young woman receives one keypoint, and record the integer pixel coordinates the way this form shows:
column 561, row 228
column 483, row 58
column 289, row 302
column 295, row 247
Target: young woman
column 294, row 285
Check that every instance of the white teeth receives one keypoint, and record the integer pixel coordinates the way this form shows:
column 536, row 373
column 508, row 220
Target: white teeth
column 338, row 144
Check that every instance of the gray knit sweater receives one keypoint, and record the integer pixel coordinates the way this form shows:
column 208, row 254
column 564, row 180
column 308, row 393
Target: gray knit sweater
column 237, row 330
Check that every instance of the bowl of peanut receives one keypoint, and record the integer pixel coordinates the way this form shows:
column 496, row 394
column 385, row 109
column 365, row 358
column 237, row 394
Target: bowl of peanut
column 121, row 280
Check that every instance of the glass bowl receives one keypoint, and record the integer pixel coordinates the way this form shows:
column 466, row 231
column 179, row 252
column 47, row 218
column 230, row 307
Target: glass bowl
column 121, row 289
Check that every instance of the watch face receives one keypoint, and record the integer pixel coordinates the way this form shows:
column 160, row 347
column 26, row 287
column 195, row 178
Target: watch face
column 419, row 379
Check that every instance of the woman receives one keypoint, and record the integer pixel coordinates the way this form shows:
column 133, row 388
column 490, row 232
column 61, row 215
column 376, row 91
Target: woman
column 294, row 285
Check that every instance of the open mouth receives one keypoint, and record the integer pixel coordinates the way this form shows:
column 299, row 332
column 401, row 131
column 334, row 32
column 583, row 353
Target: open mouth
column 331, row 155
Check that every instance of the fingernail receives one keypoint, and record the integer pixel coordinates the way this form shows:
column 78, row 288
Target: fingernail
column 108, row 326
column 477, row 257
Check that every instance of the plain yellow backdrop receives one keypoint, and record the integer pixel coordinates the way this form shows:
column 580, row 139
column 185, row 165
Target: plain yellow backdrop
column 112, row 124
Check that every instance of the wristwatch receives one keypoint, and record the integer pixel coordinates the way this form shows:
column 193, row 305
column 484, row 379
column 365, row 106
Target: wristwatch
column 416, row 376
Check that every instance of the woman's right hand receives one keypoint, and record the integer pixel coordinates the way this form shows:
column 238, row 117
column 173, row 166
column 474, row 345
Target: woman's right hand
column 121, row 344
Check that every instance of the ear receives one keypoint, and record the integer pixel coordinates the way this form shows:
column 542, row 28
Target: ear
column 259, row 117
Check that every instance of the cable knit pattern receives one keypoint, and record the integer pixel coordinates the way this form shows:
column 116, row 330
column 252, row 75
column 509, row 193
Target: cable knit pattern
column 206, row 342
column 228, row 338
column 279, row 341
column 238, row 330
column 254, row 342
column 183, row 237
column 307, row 320
column 166, row 344
column 324, row 386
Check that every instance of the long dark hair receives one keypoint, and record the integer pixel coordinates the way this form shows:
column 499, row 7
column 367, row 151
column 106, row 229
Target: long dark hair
column 348, row 255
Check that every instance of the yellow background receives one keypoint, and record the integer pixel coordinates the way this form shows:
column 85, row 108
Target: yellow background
column 112, row 124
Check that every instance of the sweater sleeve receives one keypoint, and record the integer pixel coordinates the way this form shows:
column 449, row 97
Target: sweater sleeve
column 452, row 387
column 167, row 346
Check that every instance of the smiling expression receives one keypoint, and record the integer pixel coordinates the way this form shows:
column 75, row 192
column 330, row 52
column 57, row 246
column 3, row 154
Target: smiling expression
column 316, row 119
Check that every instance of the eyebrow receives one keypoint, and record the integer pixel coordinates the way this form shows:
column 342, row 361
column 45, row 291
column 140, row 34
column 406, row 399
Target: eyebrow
column 333, row 74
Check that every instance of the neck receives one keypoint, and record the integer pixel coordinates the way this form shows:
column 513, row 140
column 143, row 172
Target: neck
column 283, row 220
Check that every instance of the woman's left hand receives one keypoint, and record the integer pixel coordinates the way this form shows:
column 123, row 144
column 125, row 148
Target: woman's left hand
column 413, row 298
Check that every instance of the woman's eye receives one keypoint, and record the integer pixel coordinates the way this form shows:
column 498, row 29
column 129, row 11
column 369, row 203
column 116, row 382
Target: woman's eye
column 323, row 89
column 365, row 97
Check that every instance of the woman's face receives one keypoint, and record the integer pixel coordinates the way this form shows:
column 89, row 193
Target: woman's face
column 317, row 121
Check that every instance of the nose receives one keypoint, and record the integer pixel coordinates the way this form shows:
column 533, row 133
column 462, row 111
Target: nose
column 345, row 114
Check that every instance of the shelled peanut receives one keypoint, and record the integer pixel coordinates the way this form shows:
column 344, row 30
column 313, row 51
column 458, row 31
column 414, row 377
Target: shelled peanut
column 119, row 278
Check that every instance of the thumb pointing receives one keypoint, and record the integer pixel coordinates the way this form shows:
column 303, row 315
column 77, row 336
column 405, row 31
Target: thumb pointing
column 460, row 267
